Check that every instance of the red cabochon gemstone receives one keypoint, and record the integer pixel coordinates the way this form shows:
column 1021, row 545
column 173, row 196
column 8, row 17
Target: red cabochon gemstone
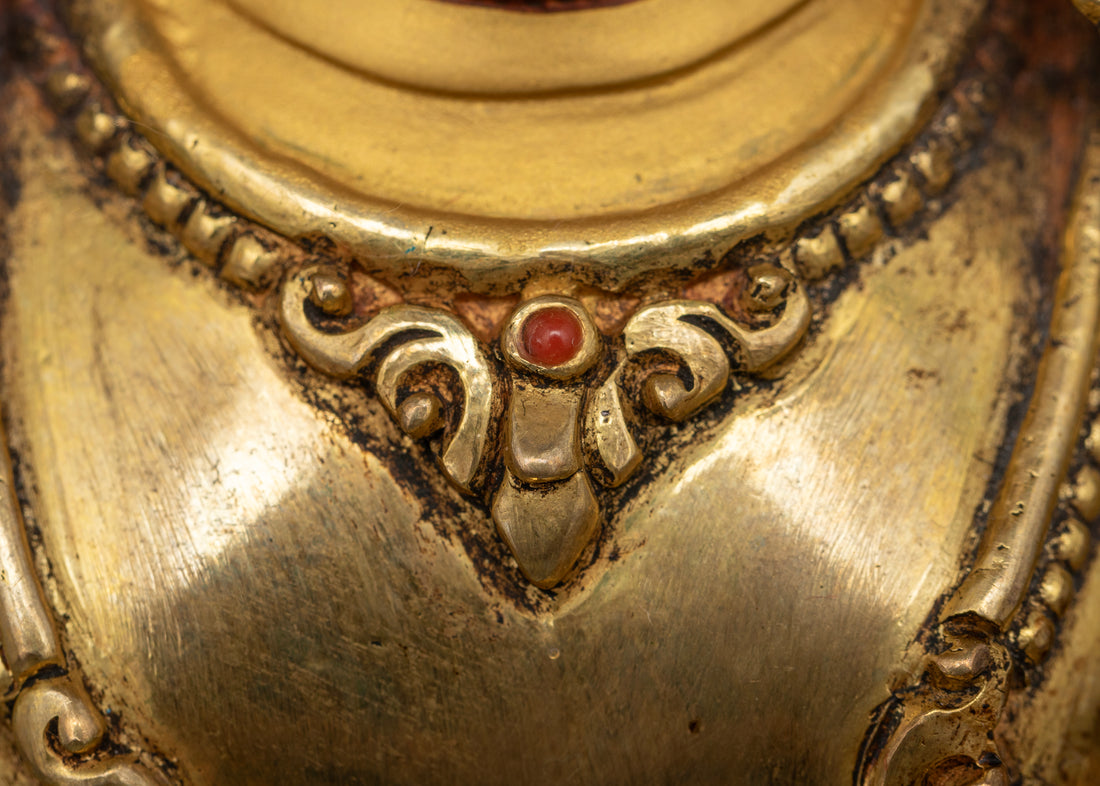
column 551, row 337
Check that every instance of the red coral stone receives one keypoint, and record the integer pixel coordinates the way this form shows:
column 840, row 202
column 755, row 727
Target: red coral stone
column 551, row 337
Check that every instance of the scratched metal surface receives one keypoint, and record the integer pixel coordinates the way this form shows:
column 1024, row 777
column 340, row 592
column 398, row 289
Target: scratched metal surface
column 267, row 601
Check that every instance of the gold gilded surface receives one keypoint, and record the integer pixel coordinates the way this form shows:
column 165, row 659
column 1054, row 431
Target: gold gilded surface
column 941, row 726
column 996, row 585
column 668, row 326
column 405, row 337
column 271, row 601
column 13, row 770
column 567, row 181
column 437, row 45
column 1054, row 732
column 27, row 635
column 548, row 527
column 542, row 435
column 303, row 510
column 1090, row 8
column 545, row 507
column 55, row 722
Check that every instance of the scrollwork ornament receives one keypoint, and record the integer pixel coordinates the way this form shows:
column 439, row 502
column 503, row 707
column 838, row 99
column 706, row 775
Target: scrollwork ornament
column 61, row 737
column 688, row 330
column 546, row 505
column 943, row 730
column 413, row 336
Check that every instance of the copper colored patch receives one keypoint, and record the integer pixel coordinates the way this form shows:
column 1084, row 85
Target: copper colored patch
column 485, row 315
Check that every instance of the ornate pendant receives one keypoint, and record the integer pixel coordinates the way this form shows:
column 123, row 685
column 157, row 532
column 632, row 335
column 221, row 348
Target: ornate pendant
column 554, row 398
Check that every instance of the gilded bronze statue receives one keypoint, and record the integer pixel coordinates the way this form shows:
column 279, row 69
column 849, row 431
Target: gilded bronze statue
column 538, row 391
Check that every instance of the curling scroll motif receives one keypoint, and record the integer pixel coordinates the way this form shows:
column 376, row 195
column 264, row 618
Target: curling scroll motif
column 411, row 337
column 568, row 398
column 71, row 754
